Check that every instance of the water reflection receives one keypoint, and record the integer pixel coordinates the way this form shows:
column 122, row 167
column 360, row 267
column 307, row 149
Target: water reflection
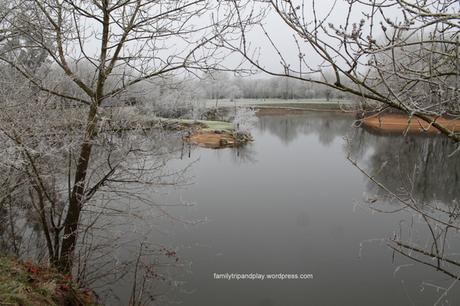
column 421, row 167
column 419, row 176
column 287, row 128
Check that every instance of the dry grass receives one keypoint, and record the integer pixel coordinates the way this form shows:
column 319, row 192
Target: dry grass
column 24, row 283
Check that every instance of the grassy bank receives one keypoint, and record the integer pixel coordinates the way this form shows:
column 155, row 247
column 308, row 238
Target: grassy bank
column 203, row 125
column 24, row 283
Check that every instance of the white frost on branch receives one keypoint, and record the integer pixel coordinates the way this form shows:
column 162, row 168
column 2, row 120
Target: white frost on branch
column 245, row 119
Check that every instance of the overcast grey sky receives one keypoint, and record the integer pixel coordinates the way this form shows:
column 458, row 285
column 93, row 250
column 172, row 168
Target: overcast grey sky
column 279, row 32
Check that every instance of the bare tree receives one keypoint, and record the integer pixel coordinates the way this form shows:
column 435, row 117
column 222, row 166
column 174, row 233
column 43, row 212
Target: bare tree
column 399, row 54
column 121, row 43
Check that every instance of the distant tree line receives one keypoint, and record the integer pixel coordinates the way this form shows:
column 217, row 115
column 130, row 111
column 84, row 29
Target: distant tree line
column 224, row 86
column 181, row 95
column 176, row 96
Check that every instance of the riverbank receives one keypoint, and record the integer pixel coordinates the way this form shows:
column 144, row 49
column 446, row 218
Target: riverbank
column 399, row 123
column 312, row 103
column 270, row 110
column 205, row 133
column 267, row 107
column 24, row 283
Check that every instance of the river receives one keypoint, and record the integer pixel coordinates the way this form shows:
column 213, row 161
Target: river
column 293, row 202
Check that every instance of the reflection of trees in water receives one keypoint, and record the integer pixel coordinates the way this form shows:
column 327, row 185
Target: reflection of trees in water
column 244, row 154
column 287, row 128
column 418, row 176
column 417, row 166
column 19, row 227
column 413, row 174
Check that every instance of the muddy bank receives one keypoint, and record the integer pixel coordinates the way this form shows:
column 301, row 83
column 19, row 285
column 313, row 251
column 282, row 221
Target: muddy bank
column 399, row 123
column 208, row 134
column 217, row 139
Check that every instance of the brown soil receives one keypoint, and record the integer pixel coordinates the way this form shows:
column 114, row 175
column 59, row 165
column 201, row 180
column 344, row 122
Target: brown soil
column 396, row 123
column 212, row 139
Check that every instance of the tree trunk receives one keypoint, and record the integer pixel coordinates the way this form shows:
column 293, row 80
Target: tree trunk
column 77, row 197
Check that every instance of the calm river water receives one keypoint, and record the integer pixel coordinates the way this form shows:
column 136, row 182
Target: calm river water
column 291, row 202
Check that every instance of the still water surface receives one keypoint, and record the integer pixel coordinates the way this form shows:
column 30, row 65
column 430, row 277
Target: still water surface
column 291, row 202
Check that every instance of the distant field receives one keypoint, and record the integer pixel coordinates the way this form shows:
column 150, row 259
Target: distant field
column 301, row 103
